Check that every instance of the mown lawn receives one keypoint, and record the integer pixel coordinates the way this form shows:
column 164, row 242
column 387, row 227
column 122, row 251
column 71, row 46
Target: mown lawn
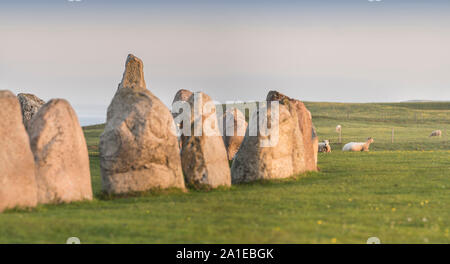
column 398, row 192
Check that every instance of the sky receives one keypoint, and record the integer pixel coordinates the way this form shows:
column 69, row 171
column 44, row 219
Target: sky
column 312, row 50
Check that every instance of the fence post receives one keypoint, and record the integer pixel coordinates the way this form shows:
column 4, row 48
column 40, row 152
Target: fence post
column 445, row 136
column 392, row 136
column 339, row 130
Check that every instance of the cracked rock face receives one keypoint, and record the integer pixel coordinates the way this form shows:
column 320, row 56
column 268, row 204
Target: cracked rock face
column 30, row 105
column 203, row 156
column 60, row 153
column 17, row 176
column 138, row 149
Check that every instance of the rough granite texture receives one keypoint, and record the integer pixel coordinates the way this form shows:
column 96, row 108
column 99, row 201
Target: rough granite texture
column 204, row 157
column 138, row 148
column 310, row 140
column 30, row 105
column 254, row 161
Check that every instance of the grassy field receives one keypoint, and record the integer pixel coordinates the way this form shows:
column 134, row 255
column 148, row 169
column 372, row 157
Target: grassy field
column 398, row 192
column 412, row 124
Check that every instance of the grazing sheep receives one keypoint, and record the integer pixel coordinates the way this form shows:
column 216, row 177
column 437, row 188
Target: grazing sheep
column 358, row 146
column 338, row 128
column 436, row 133
column 324, row 146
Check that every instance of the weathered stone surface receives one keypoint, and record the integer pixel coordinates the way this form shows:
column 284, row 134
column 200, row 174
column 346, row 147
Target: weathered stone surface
column 306, row 127
column 138, row 148
column 234, row 126
column 17, row 178
column 30, row 105
column 283, row 159
column 60, row 153
column 204, row 157
column 181, row 96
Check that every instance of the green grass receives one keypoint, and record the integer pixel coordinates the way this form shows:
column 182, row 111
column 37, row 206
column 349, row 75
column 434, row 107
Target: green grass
column 412, row 124
column 92, row 134
column 398, row 192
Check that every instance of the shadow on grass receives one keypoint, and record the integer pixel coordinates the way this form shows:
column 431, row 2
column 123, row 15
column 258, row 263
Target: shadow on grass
column 149, row 193
column 306, row 178
column 45, row 207
column 161, row 192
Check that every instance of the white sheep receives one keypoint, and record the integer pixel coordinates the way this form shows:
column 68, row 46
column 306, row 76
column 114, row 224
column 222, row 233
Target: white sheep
column 436, row 133
column 324, row 146
column 358, row 146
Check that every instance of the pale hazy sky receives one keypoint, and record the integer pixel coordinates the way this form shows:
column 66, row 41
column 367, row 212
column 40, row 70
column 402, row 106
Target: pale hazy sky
column 316, row 50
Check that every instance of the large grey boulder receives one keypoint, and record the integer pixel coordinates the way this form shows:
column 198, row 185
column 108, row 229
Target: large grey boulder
column 273, row 154
column 17, row 176
column 203, row 156
column 30, row 105
column 234, row 127
column 138, row 148
column 309, row 137
column 60, row 153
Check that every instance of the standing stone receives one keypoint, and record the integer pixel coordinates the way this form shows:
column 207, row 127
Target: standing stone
column 305, row 125
column 282, row 159
column 183, row 97
column 60, row 153
column 30, row 105
column 203, row 156
column 138, row 148
column 315, row 144
column 17, row 178
column 234, row 126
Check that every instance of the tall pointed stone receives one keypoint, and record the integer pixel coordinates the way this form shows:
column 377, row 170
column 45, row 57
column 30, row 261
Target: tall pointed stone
column 306, row 127
column 203, row 156
column 60, row 153
column 17, row 176
column 138, row 148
